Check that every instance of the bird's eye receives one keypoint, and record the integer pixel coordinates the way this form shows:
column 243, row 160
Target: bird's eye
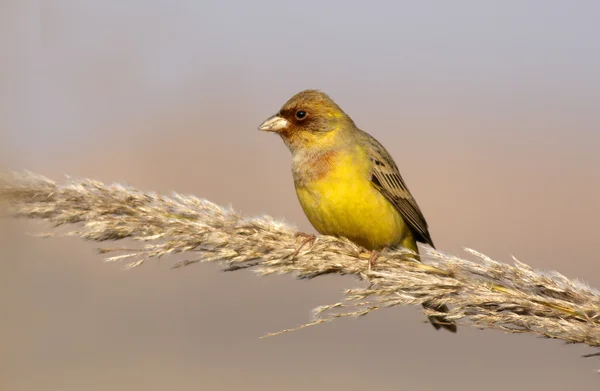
column 300, row 114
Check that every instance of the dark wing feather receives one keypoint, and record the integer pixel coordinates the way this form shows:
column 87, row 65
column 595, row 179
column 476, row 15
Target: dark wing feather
column 386, row 178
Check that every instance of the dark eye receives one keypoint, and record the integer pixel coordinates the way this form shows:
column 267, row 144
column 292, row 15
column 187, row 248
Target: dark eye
column 300, row 114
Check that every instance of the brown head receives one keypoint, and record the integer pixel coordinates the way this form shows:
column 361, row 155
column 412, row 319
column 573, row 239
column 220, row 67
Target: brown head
column 309, row 119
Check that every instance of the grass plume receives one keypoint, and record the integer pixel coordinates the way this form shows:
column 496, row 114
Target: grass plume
column 482, row 293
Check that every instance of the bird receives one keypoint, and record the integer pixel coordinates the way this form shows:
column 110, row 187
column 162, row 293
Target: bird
column 347, row 183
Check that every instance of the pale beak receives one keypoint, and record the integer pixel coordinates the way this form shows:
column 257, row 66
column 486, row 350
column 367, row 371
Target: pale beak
column 274, row 124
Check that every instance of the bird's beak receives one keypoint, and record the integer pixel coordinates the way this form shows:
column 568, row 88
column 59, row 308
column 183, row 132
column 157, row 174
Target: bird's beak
column 274, row 124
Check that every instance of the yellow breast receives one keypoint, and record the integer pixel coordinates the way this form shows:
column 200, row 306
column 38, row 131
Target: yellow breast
column 343, row 202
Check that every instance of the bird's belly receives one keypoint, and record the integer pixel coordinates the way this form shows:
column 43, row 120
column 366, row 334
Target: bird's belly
column 353, row 209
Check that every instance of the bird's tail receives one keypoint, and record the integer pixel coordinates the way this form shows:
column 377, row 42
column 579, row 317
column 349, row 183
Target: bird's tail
column 437, row 321
column 440, row 322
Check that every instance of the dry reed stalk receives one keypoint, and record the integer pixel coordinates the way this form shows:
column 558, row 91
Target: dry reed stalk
column 485, row 293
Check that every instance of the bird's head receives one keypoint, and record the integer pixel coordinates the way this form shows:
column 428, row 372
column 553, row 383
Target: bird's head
column 310, row 119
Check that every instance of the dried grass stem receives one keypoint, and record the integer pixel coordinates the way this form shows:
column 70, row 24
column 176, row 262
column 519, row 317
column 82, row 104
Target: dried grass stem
column 482, row 293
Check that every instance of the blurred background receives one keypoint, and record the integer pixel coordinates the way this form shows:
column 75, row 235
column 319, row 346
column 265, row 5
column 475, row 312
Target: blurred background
column 489, row 108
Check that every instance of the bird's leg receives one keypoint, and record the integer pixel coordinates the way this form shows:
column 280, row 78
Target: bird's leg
column 373, row 258
column 307, row 238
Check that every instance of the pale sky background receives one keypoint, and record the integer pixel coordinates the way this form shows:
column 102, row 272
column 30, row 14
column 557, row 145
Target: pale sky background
column 490, row 109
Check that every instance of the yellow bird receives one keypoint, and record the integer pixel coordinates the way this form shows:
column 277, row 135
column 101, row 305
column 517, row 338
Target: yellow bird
column 347, row 183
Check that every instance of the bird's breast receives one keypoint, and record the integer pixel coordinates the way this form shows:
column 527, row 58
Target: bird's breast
column 338, row 198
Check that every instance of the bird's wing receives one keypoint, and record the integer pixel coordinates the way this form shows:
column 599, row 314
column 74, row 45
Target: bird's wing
column 386, row 178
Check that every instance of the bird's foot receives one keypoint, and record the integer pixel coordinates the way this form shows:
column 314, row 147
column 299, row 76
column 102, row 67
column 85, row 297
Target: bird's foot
column 307, row 239
column 373, row 258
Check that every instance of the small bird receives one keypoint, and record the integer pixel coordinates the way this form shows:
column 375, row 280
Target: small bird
column 346, row 181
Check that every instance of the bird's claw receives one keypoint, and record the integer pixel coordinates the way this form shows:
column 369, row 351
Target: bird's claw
column 373, row 258
column 307, row 238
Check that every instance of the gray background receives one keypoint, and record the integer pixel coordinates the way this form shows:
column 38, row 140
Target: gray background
column 489, row 108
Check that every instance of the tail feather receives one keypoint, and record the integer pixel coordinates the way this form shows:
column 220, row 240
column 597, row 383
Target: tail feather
column 437, row 321
column 440, row 322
